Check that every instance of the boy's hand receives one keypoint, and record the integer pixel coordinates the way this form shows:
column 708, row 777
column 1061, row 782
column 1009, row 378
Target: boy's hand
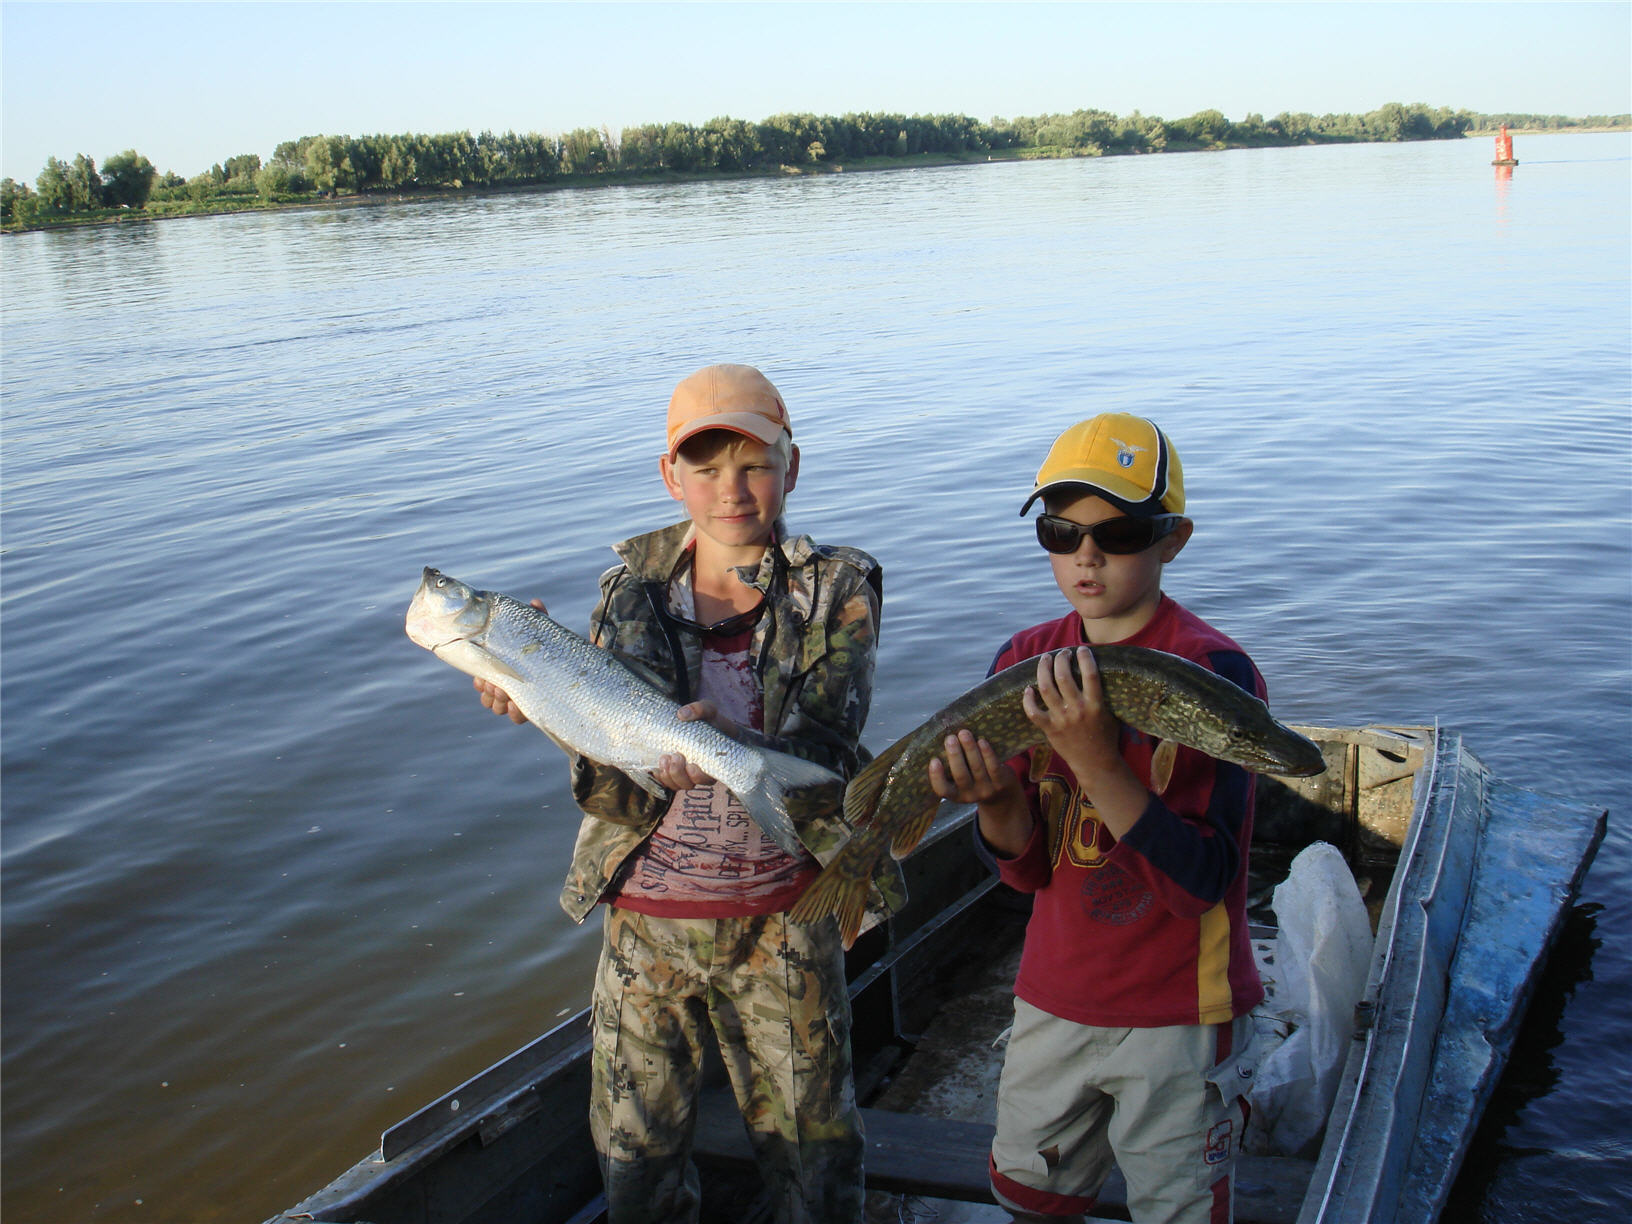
column 497, row 700
column 673, row 770
column 1075, row 718
column 972, row 773
column 1080, row 727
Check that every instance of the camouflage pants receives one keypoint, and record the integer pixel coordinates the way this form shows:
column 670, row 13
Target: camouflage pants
column 774, row 994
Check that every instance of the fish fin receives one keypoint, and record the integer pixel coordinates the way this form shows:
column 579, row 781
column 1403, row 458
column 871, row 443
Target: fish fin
column 556, row 739
column 787, row 776
column 640, row 777
column 643, row 779
column 1161, row 765
column 908, row 836
column 477, row 660
column 838, row 892
column 861, row 796
column 491, row 661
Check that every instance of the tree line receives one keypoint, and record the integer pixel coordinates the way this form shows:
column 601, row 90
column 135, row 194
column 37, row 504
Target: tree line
column 315, row 166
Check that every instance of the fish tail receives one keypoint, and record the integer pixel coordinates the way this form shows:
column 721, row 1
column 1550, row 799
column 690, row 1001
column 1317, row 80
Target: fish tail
column 788, row 784
column 837, row 891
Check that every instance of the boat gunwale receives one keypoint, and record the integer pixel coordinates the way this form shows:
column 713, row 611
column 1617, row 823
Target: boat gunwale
column 1378, row 994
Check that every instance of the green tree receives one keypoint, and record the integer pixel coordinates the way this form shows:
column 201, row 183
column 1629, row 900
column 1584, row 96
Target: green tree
column 1208, row 127
column 277, row 179
column 731, row 144
column 583, row 151
column 243, row 166
column 360, row 163
column 291, row 154
column 534, row 157
column 54, row 193
column 85, row 184
column 641, row 147
column 398, row 167
column 1388, row 122
column 205, row 186
column 785, row 139
column 17, row 202
column 127, row 180
column 322, row 156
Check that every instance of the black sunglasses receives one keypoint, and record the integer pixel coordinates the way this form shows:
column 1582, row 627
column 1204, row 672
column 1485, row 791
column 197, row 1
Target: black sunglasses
column 729, row 627
column 1117, row 536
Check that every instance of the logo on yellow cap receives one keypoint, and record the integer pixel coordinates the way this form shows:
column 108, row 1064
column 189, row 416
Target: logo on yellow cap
column 1126, row 453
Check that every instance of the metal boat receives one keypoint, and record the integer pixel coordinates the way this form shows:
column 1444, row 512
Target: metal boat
column 1467, row 881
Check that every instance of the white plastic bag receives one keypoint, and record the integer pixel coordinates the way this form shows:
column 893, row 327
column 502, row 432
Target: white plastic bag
column 1321, row 959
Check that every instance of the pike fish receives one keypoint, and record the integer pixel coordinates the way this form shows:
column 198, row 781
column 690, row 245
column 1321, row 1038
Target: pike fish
column 607, row 707
column 890, row 803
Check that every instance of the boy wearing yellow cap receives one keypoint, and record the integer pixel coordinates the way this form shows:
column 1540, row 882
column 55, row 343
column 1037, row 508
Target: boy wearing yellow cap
column 771, row 637
column 1136, row 985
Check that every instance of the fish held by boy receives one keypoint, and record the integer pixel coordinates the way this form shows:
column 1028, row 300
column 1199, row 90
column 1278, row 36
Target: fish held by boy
column 891, row 802
column 596, row 703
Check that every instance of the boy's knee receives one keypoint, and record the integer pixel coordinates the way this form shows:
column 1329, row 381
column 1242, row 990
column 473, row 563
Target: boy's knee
column 1029, row 1203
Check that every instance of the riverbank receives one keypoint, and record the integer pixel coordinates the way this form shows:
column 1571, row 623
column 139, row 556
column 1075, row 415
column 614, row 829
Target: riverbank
column 330, row 170
column 227, row 204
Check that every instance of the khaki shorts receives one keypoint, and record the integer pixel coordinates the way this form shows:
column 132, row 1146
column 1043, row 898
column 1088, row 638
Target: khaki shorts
column 773, row 993
column 1165, row 1105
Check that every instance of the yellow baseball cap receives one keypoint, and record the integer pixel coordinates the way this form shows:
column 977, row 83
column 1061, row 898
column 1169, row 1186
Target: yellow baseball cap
column 734, row 397
column 1124, row 459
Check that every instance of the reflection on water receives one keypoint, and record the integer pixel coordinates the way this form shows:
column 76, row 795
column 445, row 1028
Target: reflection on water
column 272, row 878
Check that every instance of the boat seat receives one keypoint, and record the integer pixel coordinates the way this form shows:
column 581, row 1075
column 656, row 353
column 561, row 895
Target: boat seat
column 906, row 1154
column 945, row 1158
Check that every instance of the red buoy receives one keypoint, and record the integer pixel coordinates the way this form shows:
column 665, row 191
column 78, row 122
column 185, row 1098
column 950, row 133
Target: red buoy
column 1504, row 149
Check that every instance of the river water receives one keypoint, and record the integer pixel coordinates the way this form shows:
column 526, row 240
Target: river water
column 272, row 878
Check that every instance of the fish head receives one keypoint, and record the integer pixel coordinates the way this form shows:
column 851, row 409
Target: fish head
column 445, row 612
column 1299, row 757
column 1263, row 744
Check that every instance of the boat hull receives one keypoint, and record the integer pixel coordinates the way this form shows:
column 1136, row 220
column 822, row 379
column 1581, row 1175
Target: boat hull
column 1471, row 879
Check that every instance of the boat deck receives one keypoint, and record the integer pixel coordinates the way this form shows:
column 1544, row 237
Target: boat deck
column 930, row 1117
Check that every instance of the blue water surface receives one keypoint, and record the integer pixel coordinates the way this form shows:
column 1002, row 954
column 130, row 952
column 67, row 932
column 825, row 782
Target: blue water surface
column 271, row 876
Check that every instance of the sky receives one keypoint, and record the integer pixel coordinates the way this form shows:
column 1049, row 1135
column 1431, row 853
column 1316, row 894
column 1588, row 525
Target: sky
column 192, row 84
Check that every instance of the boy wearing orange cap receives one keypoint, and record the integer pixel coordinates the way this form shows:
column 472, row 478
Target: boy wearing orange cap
column 772, row 637
column 1136, row 985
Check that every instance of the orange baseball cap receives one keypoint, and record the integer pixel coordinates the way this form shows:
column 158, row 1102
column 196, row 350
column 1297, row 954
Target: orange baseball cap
column 734, row 397
column 1124, row 459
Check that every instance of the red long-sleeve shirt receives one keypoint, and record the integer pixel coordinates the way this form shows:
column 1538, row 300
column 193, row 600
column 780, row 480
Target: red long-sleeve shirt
column 1150, row 930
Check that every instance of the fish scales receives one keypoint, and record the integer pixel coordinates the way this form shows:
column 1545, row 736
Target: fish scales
column 594, row 703
column 891, row 802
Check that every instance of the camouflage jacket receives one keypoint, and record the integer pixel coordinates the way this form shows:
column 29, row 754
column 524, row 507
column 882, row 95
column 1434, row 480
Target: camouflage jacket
column 816, row 648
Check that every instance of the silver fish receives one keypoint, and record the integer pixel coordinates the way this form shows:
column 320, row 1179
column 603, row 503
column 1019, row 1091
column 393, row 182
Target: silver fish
column 593, row 702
